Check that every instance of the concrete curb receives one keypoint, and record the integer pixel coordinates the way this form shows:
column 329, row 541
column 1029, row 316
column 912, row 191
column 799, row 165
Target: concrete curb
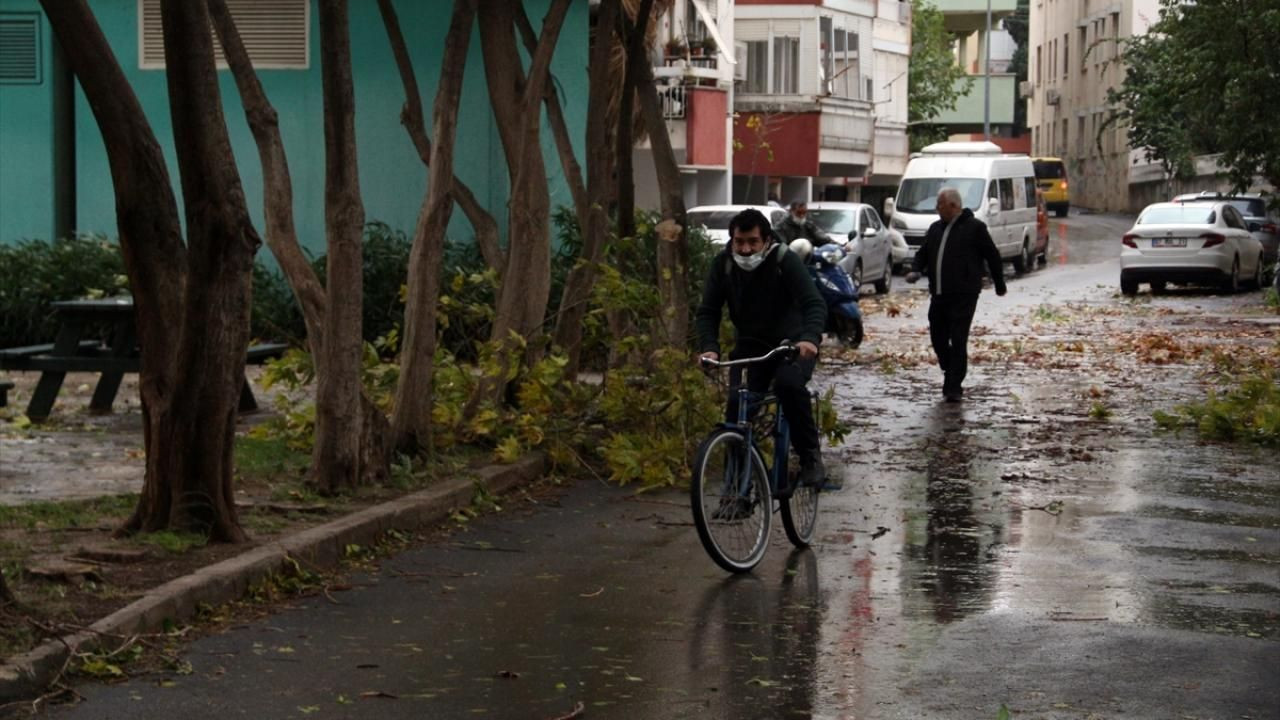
column 26, row 676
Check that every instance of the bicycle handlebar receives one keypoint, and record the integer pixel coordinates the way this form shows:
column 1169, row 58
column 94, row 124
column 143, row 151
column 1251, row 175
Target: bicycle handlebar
column 786, row 349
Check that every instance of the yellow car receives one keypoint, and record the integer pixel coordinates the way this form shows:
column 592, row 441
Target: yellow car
column 1051, row 178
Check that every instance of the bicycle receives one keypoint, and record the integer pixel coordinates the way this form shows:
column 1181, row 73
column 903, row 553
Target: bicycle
column 732, row 491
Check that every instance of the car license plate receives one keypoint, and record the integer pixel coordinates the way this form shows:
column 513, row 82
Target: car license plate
column 1168, row 242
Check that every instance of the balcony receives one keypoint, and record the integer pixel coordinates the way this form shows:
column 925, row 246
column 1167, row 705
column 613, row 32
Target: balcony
column 967, row 117
column 692, row 69
column 966, row 16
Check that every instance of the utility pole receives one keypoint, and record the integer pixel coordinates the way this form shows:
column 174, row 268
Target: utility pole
column 986, row 79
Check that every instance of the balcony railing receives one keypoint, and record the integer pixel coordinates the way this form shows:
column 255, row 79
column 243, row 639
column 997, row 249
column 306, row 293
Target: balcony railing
column 674, row 102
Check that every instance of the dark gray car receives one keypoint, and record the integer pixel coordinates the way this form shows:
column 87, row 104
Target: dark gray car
column 1263, row 222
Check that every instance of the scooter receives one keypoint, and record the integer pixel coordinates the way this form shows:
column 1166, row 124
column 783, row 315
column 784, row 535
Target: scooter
column 844, row 318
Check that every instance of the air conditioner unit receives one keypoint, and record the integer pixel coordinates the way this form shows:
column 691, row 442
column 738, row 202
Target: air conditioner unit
column 740, row 67
column 1026, row 89
column 1052, row 96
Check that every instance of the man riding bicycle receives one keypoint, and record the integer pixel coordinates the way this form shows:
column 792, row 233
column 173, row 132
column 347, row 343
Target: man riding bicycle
column 771, row 299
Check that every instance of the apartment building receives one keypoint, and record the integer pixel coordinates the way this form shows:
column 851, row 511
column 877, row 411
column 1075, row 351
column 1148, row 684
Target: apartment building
column 966, row 20
column 1074, row 59
column 819, row 98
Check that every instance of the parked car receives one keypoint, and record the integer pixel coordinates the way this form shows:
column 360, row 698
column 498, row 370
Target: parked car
column 1204, row 242
column 903, row 253
column 1040, row 250
column 715, row 219
column 1263, row 222
column 867, row 245
column 1051, row 178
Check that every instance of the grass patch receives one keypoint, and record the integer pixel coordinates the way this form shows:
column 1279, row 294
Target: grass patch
column 171, row 541
column 268, row 458
column 67, row 514
column 1249, row 411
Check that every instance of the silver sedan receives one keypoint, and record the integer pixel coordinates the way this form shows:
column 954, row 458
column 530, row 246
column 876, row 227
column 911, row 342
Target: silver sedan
column 868, row 246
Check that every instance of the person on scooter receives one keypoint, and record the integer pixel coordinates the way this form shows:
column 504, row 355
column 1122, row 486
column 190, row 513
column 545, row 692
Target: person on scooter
column 771, row 299
column 797, row 224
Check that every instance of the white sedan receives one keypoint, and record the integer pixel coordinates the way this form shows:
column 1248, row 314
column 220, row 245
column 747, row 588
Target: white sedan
column 868, row 248
column 1190, row 243
column 714, row 219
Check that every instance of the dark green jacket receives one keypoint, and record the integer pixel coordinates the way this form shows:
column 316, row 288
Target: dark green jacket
column 777, row 301
column 788, row 229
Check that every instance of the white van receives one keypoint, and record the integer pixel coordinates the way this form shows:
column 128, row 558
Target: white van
column 1000, row 189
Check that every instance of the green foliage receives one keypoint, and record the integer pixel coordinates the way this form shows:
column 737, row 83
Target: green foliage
column 66, row 514
column 1247, row 412
column 1201, row 62
column 934, row 79
column 171, row 541
column 35, row 273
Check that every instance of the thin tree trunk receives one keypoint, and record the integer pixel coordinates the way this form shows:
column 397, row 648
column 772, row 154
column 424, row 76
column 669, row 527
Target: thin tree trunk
column 281, row 235
column 150, row 235
column 673, row 248
column 595, row 221
column 221, row 243
column 486, row 228
column 411, row 422
column 525, row 290
column 336, row 461
column 633, row 35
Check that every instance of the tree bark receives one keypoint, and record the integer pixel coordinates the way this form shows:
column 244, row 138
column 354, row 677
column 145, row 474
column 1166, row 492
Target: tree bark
column 214, row 330
column 411, row 422
column 526, row 284
column 593, row 217
column 149, row 232
column 486, row 228
column 673, row 247
column 282, row 237
column 633, row 35
column 336, row 460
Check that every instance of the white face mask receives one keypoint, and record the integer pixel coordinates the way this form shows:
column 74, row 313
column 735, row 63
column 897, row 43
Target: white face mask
column 750, row 262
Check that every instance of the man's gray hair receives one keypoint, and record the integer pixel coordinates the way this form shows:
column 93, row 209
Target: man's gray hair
column 951, row 195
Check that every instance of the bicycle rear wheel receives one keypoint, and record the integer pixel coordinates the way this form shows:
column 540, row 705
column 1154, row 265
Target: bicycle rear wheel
column 800, row 515
column 731, row 503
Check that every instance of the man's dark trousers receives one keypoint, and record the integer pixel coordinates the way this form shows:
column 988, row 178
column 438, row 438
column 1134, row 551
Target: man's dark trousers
column 789, row 380
column 950, row 316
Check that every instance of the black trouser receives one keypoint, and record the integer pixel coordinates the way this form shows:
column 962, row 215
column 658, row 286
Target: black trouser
column 788, row 380
column 950, row 316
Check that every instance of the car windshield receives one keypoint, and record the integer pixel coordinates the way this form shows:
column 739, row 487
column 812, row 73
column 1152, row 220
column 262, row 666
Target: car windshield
column 833, row 221
column 1050, row 170
column 713, row 219
column 920, row 195
column 1180, row 215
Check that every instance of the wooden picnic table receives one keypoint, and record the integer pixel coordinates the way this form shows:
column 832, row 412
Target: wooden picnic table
column 73, row 351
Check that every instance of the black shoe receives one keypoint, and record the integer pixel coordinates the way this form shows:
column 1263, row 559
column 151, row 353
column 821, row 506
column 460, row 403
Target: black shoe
column 812, row 471
column 953, row 396
column 732, row 508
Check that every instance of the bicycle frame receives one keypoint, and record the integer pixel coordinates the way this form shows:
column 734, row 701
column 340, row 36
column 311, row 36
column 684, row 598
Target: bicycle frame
column 781, row 431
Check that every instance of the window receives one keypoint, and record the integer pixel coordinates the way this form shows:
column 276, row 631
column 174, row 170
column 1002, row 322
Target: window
column 1030, row 190
column 874, row 218
column 757, row 66
column 1080, row 136
column 1039, row 60
column 839, row 49
column 20, row 49
column 1084, row 55
column 786, row 65
column 1232, row 216
column 276, row 34
column 1066, row 53
column 993, row 191
column 1115, row 35
column 1006, row 193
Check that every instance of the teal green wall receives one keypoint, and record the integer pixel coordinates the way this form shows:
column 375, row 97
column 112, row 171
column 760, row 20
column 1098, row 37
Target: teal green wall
column 392, row 178
column 27, row 184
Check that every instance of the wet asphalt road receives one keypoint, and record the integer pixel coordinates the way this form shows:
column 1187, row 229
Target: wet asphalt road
column 1009, row 551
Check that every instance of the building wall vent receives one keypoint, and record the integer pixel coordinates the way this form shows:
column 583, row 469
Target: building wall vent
column 20, row 49
column 275, row 32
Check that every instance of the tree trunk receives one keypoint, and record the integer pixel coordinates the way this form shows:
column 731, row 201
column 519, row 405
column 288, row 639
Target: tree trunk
column 594, row 217
column 147, row 222
column 214, row 329
column 336, row 461
column 633, row 34
column 411, row 423
column 486, row 228
column 282, row 238
column 673, row 247
column 526, row 284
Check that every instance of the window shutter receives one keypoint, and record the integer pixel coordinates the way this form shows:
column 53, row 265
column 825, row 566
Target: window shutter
column 20, row 49
column 274, row 32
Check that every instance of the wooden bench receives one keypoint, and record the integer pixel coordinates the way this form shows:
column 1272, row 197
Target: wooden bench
column 5, row 387
column 19, row 358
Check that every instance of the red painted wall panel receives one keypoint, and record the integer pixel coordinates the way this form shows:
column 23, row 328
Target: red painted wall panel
column 792, row 138
column 708, row 108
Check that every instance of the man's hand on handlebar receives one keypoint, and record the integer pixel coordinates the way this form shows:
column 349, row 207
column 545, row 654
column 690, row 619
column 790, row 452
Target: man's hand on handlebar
column 807, row 349
column 712, row 356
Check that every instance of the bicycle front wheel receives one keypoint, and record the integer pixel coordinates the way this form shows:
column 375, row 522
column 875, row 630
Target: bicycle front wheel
column 732, row 508
column 800, row 515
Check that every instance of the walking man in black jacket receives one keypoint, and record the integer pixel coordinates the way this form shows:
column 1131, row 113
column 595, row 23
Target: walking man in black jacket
column 771, row 298
column 952, row 256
